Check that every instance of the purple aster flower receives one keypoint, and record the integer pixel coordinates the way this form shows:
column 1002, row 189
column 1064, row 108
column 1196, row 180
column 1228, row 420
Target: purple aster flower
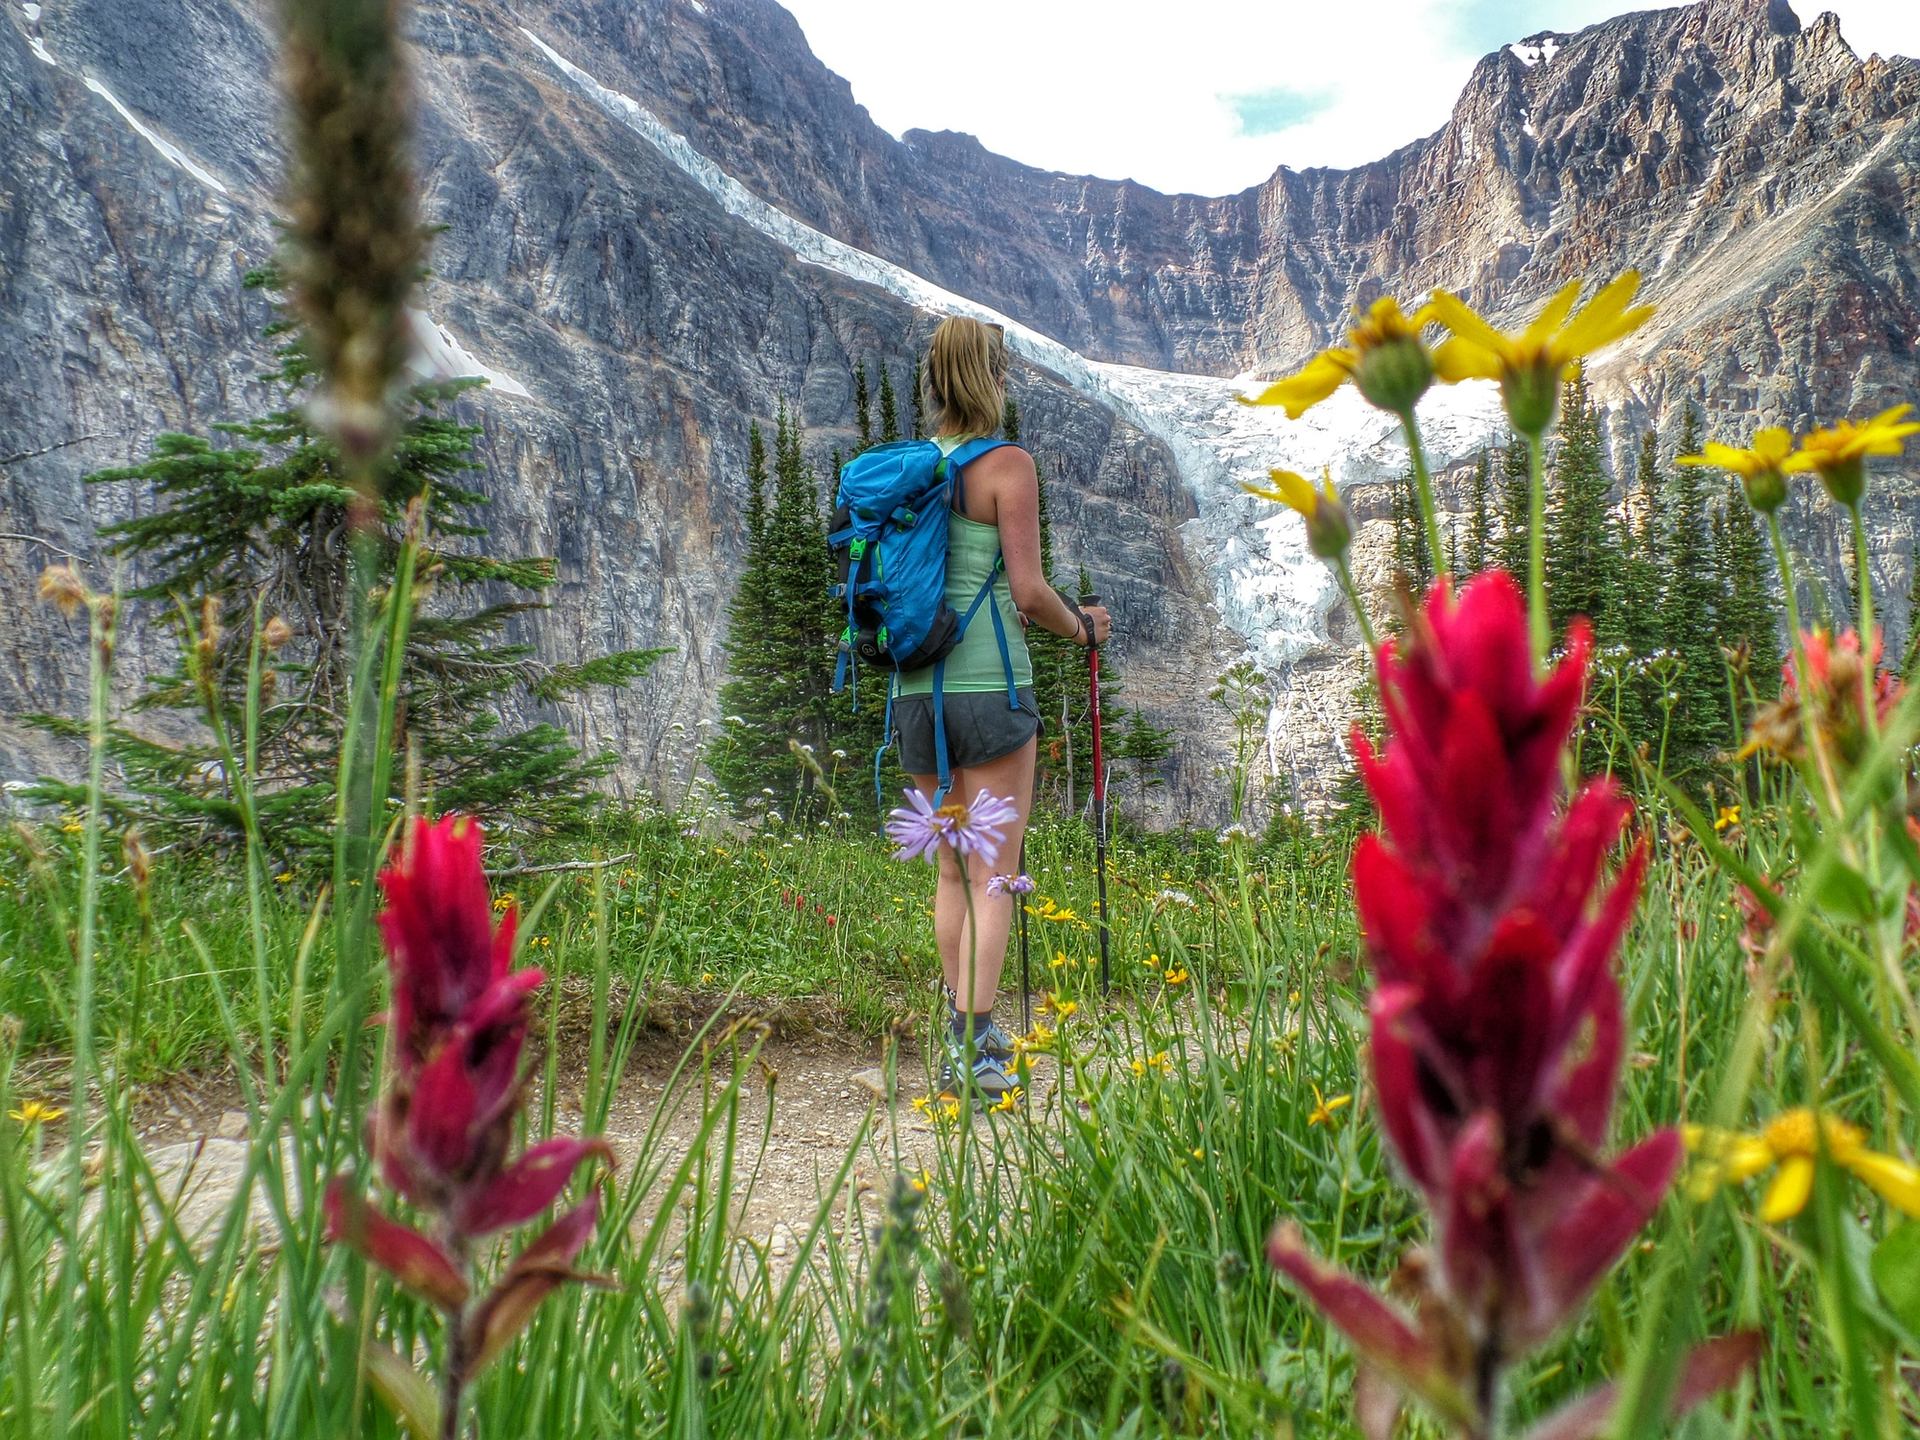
column 1010, row 885
column 920, row 830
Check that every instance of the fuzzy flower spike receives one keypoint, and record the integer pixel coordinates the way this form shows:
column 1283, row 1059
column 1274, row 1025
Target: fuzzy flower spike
column 1496, row 1020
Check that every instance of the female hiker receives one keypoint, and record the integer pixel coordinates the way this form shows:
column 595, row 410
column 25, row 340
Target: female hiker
column 990, row 743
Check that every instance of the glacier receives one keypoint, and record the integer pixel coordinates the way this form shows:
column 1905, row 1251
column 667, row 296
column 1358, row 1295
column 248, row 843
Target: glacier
column 1268, row 589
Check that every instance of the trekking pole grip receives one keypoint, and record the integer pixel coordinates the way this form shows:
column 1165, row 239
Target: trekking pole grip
column 1089, row 598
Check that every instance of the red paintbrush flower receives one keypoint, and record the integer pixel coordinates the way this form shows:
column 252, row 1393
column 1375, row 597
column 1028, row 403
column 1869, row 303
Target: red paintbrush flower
column 1839, row 680
column 1497, row 1024
column 458, row 1021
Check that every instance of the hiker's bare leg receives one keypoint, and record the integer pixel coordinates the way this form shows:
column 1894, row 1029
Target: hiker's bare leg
column 949, row 902
column 983, row 930
column 1011, row 777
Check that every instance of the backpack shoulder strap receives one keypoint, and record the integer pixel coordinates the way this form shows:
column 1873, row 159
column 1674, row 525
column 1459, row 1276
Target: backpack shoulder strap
column 963, row 456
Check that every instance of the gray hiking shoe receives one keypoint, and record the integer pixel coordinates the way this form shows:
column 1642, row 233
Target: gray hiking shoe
column 995, row 1042
column 988, row 1078
column 992, row 1041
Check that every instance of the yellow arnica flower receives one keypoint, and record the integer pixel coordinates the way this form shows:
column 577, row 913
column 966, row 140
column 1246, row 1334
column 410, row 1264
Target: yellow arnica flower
column 33, row 1113
column 1384, row 356
column 1325, row 1109
column 1838, row 454
column 1531, row 365
column 1329, row 527
column 1038, row 1038
column 1007, row 1101
column 1762, row 468
column 1061, row 1006
column 1728, row 817
column 1791, row 1141
column 1177, row 975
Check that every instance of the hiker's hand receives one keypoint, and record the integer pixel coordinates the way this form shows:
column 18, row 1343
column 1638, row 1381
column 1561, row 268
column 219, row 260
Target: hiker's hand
column 1099, row 622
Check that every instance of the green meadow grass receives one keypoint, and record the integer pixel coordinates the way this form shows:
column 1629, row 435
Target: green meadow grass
column 1091, row 1265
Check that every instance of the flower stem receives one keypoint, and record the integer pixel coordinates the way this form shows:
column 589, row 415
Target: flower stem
column 1352, row 592
column 453, row 1382
column 1785, row 564
column 1869, row 664
column 1537, row 544
column 1423, row 487
column 1865, row 579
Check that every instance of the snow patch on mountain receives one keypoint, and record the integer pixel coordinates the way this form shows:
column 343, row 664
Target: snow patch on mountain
column 169, row 151
column 1537, row 49
column 1268, row 588
column 439, row 355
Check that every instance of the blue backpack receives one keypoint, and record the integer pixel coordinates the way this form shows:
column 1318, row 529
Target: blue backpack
column 889, row 543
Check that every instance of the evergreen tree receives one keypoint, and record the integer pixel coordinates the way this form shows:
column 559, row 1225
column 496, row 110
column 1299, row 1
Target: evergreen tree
column 862, row 407
column 1144, row 746
column 914, row 403
column 248, row 546
column 1411, row 562
column 1514, row 501
column 889, row 411
column 1479, row 552
column 1641, row 631
column 1913, row 614
column 780, row 654
column 1058, row 664
column 1642, row 534
column 1583, row 557
column 1751, row 624
column 1688, row 619
column 1046, row 523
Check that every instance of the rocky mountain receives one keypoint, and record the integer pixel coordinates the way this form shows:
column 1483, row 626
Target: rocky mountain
column 662, row 217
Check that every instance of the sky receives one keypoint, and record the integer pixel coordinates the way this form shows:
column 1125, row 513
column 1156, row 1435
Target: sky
column 1208, row 96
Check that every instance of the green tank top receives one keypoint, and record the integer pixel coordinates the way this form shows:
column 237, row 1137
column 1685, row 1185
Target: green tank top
column 973, row 551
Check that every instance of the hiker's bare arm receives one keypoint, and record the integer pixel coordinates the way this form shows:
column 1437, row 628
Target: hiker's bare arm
column 1016, row 495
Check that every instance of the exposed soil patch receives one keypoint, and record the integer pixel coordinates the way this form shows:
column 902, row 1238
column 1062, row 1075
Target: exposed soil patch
column 811, row 1102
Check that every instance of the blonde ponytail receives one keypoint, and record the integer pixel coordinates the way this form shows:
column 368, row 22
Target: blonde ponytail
column 964, row 385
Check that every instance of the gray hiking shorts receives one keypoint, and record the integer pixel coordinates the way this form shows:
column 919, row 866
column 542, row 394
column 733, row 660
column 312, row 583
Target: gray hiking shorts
column 980, row 728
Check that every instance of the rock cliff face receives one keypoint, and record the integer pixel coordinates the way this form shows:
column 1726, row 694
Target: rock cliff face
column 641, row 326
column 649, row 206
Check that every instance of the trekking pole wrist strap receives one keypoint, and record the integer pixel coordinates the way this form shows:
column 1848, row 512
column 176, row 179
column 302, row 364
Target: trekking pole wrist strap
column 1082, row 625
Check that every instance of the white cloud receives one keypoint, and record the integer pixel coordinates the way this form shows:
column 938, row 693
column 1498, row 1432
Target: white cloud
column 1149, row 90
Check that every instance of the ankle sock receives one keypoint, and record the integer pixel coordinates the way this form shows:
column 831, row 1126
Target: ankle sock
column 963, row 1023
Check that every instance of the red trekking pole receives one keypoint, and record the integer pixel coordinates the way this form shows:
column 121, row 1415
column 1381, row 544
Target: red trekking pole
column 1099, row 795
